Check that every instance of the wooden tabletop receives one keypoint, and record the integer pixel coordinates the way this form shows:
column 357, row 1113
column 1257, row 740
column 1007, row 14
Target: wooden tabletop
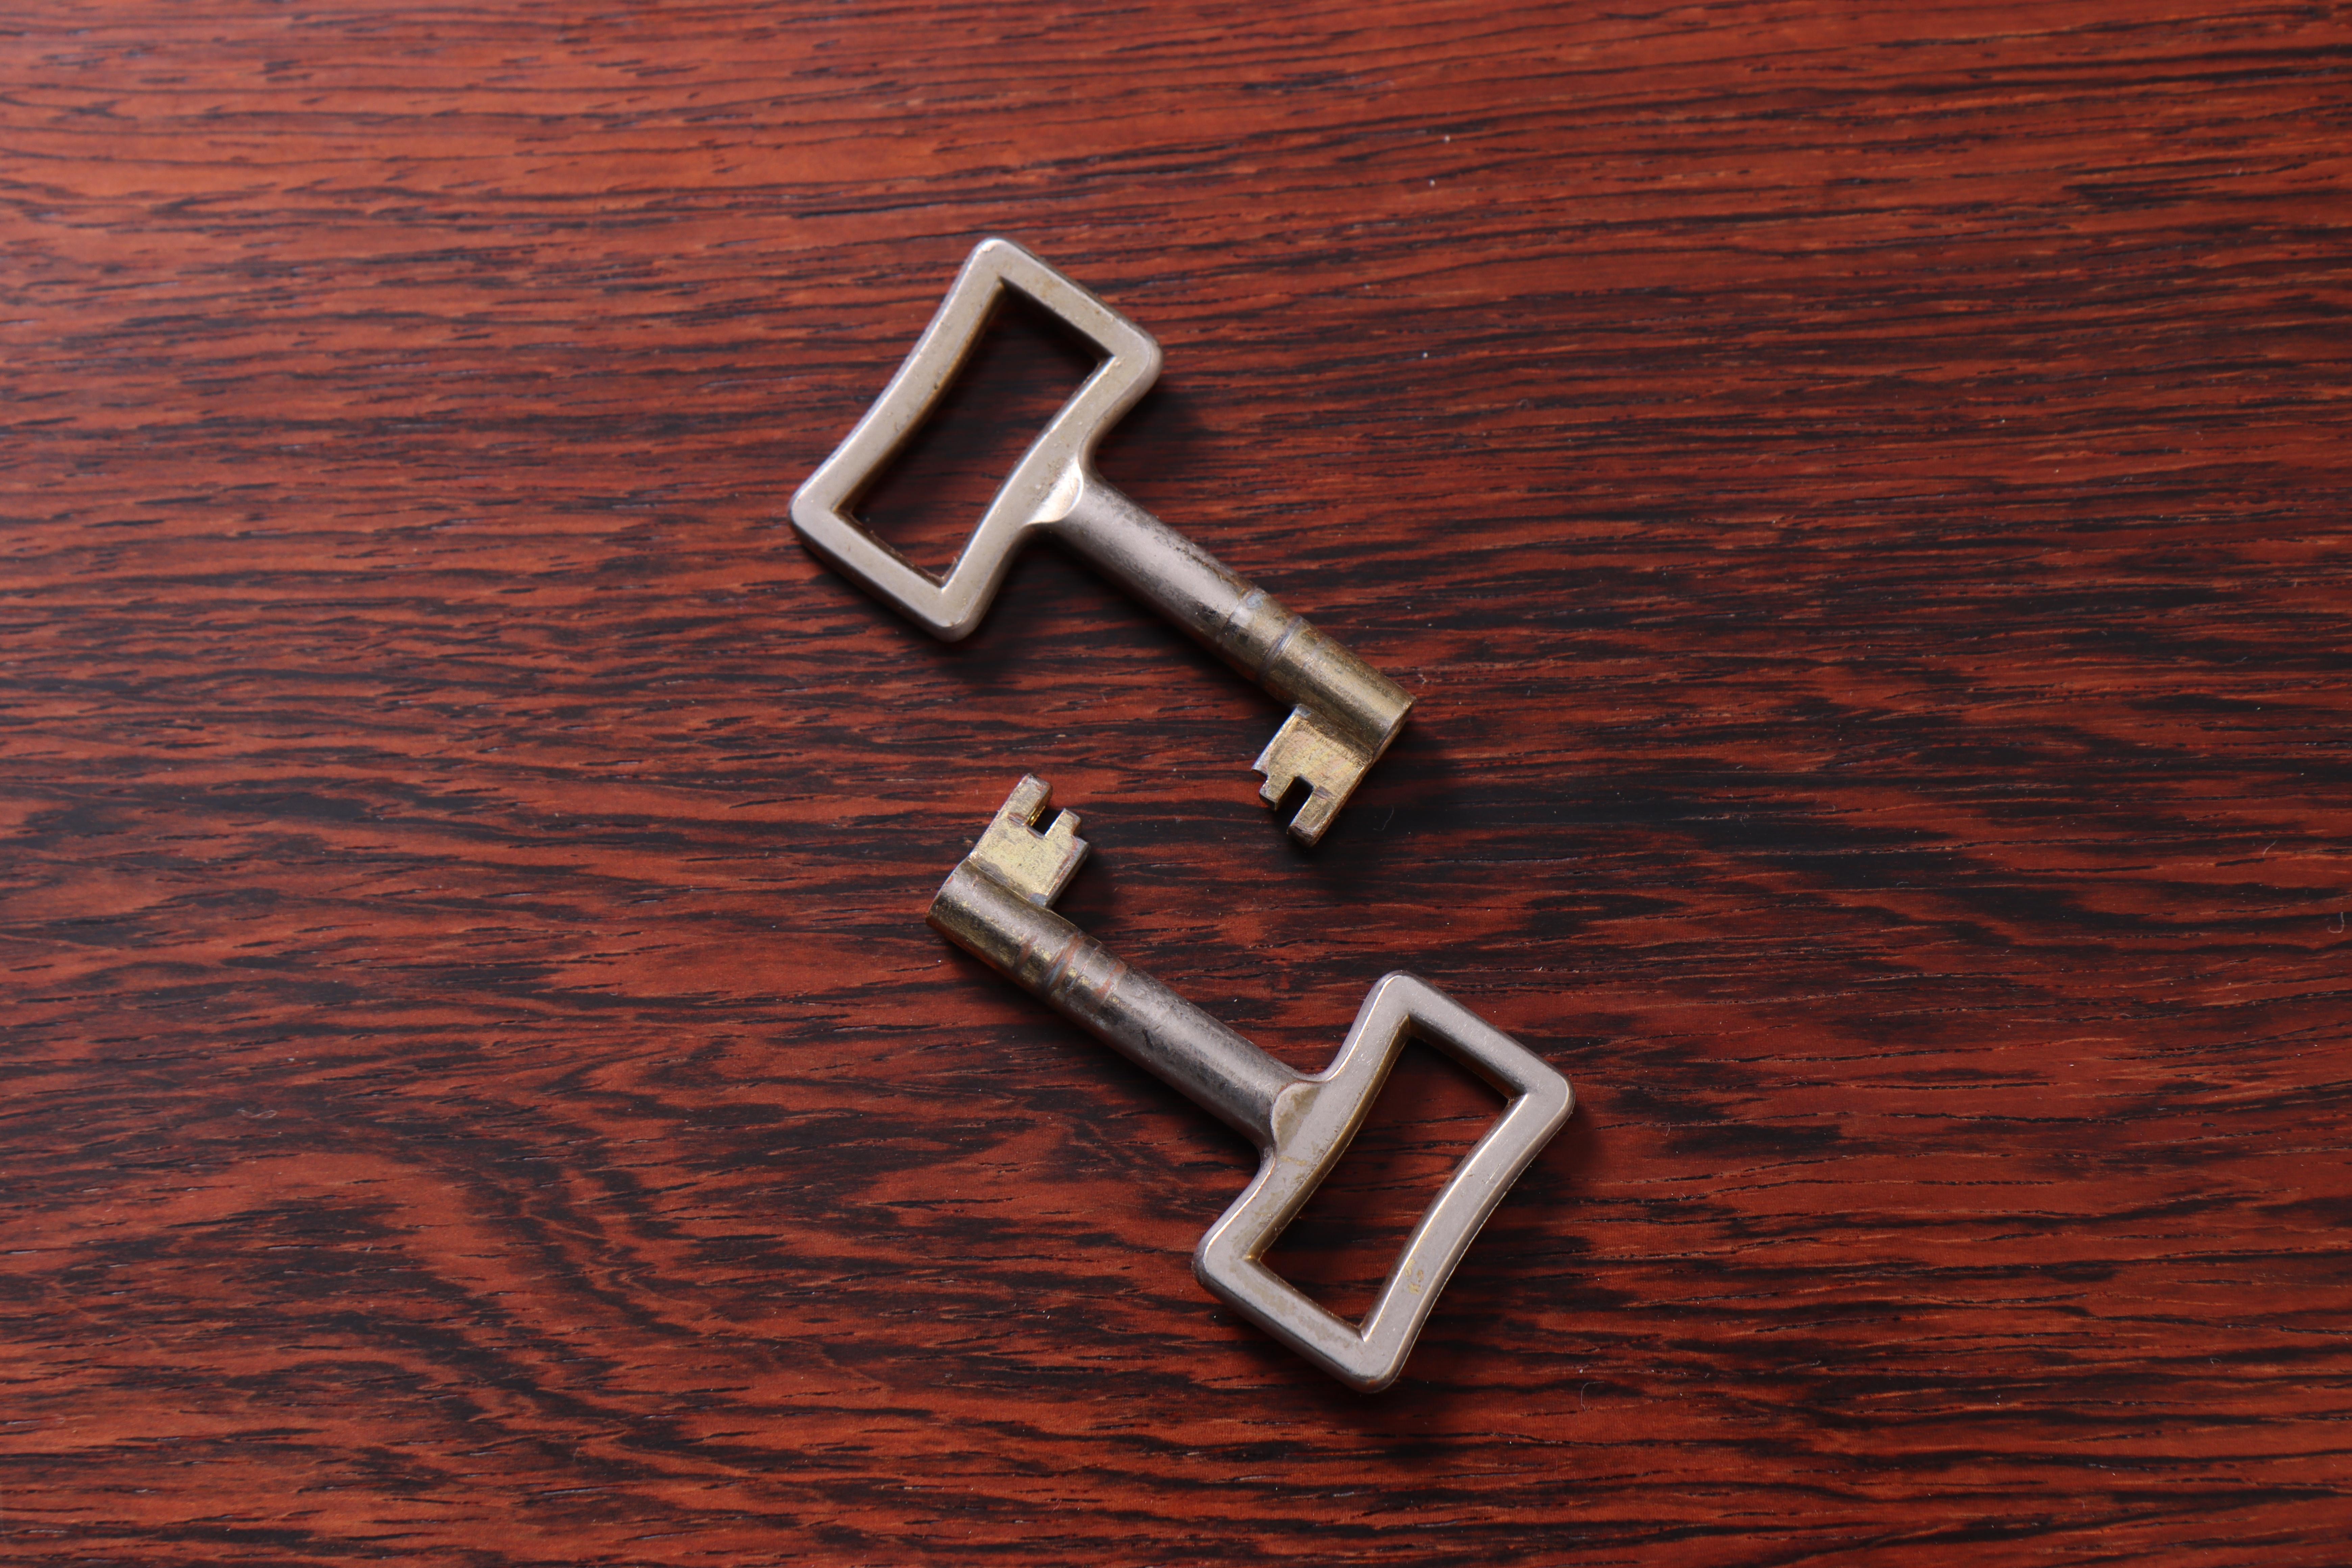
column 1859, row 493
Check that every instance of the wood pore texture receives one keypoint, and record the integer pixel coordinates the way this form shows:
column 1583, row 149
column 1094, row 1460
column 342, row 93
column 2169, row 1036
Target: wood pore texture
column 1859, row 491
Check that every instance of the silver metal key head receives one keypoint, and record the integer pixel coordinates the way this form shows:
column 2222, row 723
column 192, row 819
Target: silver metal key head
column 1314, row 1122
column 1039, row 488
column 1302, row 1123
column 1344, row 712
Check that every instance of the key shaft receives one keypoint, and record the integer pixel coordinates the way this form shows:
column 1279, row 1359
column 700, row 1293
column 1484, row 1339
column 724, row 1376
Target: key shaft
column 1119, row 1005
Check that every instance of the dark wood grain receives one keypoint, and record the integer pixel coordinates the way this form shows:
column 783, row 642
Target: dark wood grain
column 1859, row 491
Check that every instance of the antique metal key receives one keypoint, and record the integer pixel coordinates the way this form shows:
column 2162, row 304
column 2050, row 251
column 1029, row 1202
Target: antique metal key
column 1344, row 711
column 997, row 904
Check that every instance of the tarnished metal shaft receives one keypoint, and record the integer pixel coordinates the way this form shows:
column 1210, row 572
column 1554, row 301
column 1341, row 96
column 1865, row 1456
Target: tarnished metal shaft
column 1127, row 1009
column 1244, row 625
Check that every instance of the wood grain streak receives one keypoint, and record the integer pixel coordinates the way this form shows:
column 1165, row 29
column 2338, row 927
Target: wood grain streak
column 1858, row 491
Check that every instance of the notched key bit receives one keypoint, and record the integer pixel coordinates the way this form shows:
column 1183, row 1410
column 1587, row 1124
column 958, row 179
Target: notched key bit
column 1036, row 865
column 1302, row 1124
column 1344, row 712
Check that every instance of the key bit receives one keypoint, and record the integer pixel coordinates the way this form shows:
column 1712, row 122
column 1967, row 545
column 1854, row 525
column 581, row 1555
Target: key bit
column 1303, row 751
column 1301, row 1124
column 1344, row 712
column 1037, row 866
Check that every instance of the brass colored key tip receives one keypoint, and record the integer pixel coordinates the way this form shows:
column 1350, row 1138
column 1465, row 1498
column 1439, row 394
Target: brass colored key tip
column 1303, row 751
column 1036, row 865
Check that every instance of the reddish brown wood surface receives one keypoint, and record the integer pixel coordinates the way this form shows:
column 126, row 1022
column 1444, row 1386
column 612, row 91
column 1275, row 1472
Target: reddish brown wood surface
column 1859, row 491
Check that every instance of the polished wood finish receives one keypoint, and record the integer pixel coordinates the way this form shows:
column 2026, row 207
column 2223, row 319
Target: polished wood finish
column 1859, row 492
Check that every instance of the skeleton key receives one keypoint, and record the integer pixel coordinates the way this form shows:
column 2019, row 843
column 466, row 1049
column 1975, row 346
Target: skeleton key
column 997, row 904
column 1344, row 711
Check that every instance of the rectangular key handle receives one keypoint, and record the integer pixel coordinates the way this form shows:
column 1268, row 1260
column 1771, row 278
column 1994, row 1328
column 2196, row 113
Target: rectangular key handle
column 996, row 905
column 1344, row 712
